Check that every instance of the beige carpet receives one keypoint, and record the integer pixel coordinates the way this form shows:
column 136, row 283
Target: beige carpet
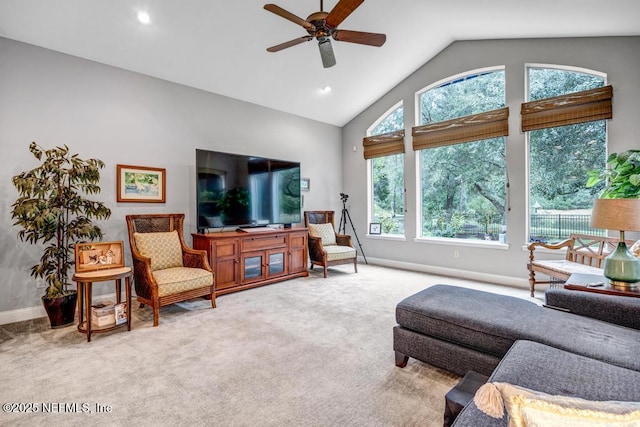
column 305, row 352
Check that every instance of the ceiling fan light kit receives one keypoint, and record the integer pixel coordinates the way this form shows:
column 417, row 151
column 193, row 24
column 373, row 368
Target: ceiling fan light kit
column 323, row 26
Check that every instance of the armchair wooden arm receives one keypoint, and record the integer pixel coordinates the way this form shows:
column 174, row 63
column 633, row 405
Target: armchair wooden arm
column 564, row 244
column 144, row 284
column 316, row 250
column 343, row 240
column 193, row 258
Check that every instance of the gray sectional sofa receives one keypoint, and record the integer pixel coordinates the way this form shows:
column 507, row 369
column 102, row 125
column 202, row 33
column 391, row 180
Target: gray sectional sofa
column 517, row 341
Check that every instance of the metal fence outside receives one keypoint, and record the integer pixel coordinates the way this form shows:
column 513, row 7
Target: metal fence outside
column 554, row 227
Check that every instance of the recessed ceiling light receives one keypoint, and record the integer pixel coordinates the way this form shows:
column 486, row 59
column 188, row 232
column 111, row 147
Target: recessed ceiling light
column 326, row 89
column 144, row 17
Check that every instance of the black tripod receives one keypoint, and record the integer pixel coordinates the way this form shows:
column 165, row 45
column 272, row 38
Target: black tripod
column 342, row 228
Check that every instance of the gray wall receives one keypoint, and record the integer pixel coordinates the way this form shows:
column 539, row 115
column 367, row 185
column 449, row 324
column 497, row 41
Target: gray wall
column 619, row 58
column 122, row 117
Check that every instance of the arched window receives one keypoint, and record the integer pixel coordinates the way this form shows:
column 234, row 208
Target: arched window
column 561, row 156
column 386, row 178
column 460, row 137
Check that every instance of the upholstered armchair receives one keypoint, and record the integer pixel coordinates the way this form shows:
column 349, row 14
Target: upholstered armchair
column 326, row 247
column 165, row 270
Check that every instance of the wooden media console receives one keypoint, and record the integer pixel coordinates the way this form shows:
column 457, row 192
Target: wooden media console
column 243, row 260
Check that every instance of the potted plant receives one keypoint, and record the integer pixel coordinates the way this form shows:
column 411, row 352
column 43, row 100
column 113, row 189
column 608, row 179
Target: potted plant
column 622, row 178
column 52, row 210
column 618, row 208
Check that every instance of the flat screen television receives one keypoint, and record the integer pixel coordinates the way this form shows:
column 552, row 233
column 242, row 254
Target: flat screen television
column 246, row 191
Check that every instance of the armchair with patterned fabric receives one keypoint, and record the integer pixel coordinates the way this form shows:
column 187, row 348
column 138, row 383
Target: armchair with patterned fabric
column 165, row 270
column 326, row 247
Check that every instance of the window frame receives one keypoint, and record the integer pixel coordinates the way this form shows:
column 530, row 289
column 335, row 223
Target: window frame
column 418, row 167
column 370, row 198
column 527, row 136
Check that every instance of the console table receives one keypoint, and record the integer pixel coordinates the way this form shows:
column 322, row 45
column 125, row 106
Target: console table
column 243, row 260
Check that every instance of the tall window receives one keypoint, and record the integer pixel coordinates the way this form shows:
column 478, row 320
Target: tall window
column 559, row 159
column 463, row 184
column 387, row 178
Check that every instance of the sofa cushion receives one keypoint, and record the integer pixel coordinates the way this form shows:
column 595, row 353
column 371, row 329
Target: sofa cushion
column 568, row 267
column 336, row 252
column 179, row 279
column 164, row 249
column 325, row 231
column 546, row 369
column 491, row 323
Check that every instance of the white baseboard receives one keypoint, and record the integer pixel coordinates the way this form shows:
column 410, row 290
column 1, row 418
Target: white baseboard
column 29, row 313
column 452, row 272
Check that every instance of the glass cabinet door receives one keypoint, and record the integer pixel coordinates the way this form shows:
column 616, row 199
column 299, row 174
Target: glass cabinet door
column 252, row 267
column 276, row 263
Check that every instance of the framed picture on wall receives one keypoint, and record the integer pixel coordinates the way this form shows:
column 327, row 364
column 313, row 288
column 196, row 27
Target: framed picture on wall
column 140, row 184
column 375, row 228
column 305, row 184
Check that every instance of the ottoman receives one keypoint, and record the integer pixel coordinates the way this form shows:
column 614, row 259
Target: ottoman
column 461, row 329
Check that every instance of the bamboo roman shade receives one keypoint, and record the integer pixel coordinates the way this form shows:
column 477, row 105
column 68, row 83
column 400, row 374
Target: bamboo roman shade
column 490, row 124
column 578, row 107
column 384, row 144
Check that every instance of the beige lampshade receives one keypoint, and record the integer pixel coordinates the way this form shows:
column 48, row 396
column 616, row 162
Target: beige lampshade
column 616, row 214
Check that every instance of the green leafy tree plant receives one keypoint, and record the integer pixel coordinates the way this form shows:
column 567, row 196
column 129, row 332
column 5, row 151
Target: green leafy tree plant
column 53, row 210
column 622, row 178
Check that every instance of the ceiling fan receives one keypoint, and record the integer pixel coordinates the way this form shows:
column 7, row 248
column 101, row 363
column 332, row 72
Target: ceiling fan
column 323, row 26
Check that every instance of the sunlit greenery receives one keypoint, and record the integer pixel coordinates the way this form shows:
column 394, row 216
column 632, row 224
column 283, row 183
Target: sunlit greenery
column 561, row 157
column 388, row 180
column 463, row 185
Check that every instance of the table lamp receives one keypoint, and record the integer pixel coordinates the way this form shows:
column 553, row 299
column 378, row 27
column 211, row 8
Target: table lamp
column 620, row 267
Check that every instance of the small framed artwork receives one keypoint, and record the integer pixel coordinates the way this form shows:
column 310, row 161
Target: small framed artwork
column 375, row 228
column 140, row 184
column 98, row 256
column 305, row 184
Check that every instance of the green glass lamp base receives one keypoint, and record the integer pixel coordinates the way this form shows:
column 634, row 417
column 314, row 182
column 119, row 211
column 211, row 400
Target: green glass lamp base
column 622, row 268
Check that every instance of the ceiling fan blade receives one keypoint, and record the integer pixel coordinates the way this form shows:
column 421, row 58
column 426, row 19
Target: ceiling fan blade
column 290, row 43
column 340, row 12
column 326, row 52
column 290, row 16
column 371, row 39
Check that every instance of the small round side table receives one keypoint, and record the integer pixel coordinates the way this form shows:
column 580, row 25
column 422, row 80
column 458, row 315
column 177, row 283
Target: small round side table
column 85, row 281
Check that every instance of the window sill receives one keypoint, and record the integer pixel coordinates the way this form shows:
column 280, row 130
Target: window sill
column 396, row 237
column 464, row 242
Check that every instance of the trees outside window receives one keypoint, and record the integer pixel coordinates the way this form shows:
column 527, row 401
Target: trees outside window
column 463, row 186
column 560, row 158
column 387, row 179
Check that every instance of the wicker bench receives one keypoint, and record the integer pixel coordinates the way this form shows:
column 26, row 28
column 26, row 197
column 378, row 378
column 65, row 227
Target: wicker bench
column 584, row 254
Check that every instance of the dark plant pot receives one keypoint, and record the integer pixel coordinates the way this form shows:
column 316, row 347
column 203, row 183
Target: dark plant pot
column 61, row 310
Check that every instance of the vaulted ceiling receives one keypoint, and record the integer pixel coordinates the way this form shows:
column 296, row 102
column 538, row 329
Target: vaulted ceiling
column 220, row 46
